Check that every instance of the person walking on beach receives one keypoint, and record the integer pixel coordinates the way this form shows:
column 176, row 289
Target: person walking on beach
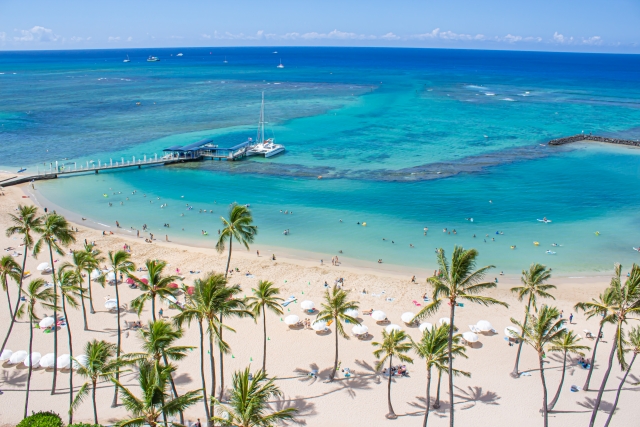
column 571, row 318
column 160, row 313
column 258, row 253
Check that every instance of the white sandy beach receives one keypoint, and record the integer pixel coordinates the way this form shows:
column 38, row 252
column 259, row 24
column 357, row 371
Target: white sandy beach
column 490, row 397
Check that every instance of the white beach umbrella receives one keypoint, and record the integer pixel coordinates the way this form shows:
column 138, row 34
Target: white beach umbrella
column 64, row 361
column 95, row 274
column 47, row 360
column 44, row 266
column 392, row 327
column 484, row 326
column 81, row 360
column 111, row 276
column 352, row 312
column 18, row 357
column 511, row 330
column 360, row 329
column 33, row 360
column 110, row 304
column 291, row 319
column 171, row 298
column 469, row 337
column 424, row 326
column 407, row 317
column 320, row 325
column 444, row 320
column 378, row 315
column 47, row 322
column 6, row 355
column 307, row 305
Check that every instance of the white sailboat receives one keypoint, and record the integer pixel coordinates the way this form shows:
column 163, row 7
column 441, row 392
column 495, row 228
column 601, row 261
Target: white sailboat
column 127, row 60
column 280, row 66
column 264, row 147
column 225, row 60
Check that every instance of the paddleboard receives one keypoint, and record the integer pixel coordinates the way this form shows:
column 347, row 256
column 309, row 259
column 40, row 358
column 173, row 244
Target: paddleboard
column 544, row 220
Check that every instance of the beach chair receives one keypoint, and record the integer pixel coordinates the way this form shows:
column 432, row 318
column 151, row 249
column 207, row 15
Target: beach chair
column 588, row 334
column 474, row 329
column 416, row 303
column 313, row 373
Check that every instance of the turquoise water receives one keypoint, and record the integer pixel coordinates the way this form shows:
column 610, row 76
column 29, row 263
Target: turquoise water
column 404, row 139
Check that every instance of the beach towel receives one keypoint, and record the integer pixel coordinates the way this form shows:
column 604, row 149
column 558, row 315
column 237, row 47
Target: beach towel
column 289, row 301
column 416, row 303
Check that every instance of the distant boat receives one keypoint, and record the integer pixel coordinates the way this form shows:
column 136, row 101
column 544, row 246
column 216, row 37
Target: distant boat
column 153, row 59
column 225, row 60
column 22, row 170
column 275, row 51
column 180, row 54
column 280, row 66
column 127, row 60
column 264, row 147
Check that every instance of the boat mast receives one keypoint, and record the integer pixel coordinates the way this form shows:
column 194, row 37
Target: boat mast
column 260, row 139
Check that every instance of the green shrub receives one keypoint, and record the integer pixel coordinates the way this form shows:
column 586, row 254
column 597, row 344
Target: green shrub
column 84, row 425
column 42, row 419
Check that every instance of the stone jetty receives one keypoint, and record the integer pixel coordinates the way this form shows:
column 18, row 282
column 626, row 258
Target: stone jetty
column 594, row 138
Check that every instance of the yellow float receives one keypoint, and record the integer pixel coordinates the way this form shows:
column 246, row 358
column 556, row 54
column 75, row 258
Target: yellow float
column 536, row 243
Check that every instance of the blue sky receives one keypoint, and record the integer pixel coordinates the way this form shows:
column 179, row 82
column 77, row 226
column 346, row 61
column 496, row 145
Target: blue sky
column 558, row 25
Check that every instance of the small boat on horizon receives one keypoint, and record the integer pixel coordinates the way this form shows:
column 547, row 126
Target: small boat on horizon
column 225, row 60
column 127, row 60
column 153, row 59
column 180, row 54
column 280, row 66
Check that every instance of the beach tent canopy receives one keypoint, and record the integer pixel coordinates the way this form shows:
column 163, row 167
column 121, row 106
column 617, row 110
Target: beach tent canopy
column 81, row 360
column 291, row 320
column 469, row 337
column 44, row 266
column 378, row 315
column 360, row 329
column 307, row 305
column 511, row 330
column 47, row 322
column 484, row 326
column 392, row 328
column 6, row 355
column 33, row 360
column 443, row 320
column 47, row 360
column 424, row 326
column 64, row 361
column 320, row 325
column 352, row 312
column 407, row 317
column 18, row 357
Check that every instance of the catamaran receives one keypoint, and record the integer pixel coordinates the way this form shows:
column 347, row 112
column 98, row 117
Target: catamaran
column 264, row 147
column 153, row 59
column 127, row 60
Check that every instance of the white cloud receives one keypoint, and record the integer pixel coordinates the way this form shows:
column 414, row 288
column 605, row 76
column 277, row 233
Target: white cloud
column 113, row 39
column 129, row 38
column 390, row 36
column 37, row 34
column 206, row 36
column 595, row 40
column 3, row 36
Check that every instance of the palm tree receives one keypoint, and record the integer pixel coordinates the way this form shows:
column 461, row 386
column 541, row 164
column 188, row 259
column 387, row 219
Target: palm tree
column 264, row 297
column 68, row 280
column 334, row 308
column 228, row 305
column 157, row 346
column 201, row 307
column 158, row 285
column 542, row 329
column 92, row 258
column 85, row 261
column 600, row 307
column 395, row 343
column 626, row 303
column 566, row 343
column 55, row 233
column 99, row 364
column 154, row 401
column 433, row 348
column 634, row 347
column 9, row 268
column 459, row 281
column 249, row 402
column 120, row 263
column 24, row 223
column 533, row 287
column 36, row 293
column 239, row 226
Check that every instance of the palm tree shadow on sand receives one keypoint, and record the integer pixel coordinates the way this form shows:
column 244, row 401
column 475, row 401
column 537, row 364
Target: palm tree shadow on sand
column 358, row 381
column 304, row 407
column 468, row 398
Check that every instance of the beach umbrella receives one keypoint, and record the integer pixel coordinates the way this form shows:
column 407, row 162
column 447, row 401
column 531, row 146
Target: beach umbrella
column 319, row 326
column 511, row 330
column 173, row 285
column 110, row 304
column 64, row 361
column 291, row 320
column 111, row 276
column 95, row 274
column 392, row 327
column 444, row 320
column 469, row 337
column 378, row 315
column 191, row 290
column 130, row 281
column 407, row 317
column 47, row 360
column 6, row 355
column 352, row 312
column 44, row 266
column 171, row 298
column 81, row 360
column 484, row 326
column 424, row 326
column 145, row 281
column 18, row 357
column 360, row 329
column 33, row 360
column 47, row 322
column 307, row 305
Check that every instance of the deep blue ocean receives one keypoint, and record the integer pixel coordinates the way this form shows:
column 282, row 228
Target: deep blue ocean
column 403, row 138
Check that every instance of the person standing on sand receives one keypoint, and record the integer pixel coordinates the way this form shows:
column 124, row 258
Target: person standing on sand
column 160, row 313
column 198, row 423
column 258, row 253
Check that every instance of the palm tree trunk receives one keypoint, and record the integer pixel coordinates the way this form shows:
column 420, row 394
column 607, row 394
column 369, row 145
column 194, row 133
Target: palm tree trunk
column 91, row 310
column 84, row 309
column 173, row 386
column 436, row 404
column 596, row 405
column 428, row 403
column 264, row 344
column 593, row 359
column 15, row 311
column 204, row 383
column 335, row 362
column 6, row 286
column 615, row 402
column 95, row 407
column 114, row 403
column 55, row 324
column 544, row 394
column 515, row 373
column 153, row 307
column 26, row 402
column 66, row 317
column 391, row 415
column 229, row 257
column 221, row 366
column 212, row 366
column 450, row 344
column 557, row 396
